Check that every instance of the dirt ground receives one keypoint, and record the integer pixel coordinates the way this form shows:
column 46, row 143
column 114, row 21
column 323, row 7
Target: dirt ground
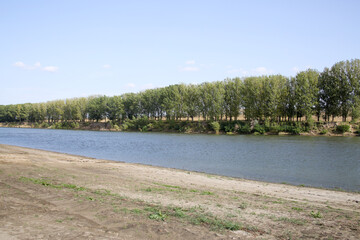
column 46, row 195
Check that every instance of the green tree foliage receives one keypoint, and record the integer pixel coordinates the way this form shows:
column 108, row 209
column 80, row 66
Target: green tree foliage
column 114, row 108
column 252, row 95
column 273, row 88
column 232, row 97
column 192, row 101
column 211, row 100
column 131, row 103
column 306, row 93
column 97, row 108
column 333, row 92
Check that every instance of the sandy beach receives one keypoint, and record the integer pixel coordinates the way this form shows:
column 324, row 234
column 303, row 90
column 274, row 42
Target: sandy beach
column 47, row 195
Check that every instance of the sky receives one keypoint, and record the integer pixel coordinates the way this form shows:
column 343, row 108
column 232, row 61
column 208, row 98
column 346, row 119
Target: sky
column 63, row 49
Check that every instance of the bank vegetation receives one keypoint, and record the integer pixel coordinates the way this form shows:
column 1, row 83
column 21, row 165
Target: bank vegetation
column 311, row 101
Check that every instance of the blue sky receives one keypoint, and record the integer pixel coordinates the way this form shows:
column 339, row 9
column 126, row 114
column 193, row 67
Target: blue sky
column 62, row 49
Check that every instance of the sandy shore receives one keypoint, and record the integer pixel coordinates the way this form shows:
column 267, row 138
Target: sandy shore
column 46, row 195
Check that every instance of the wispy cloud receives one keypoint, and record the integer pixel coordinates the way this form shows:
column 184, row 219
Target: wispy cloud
column 35, row 66
column 106, row 66
column 189, row 69
column 262, row 70
column 130, row 85
column 253, row 72
column 19, row 64
column 190, row 62
column 50, row 69
column 189, row 66
column 237, row 71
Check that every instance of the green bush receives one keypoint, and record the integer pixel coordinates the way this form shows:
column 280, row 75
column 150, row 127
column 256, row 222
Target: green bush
column 259, row 129
column 274, row 129
column 357, row 129
column 143, row 129
column 343, row 128
column 75, row 125
column 128, row 124
column 173, row 125
column 215, row 126
column 267, row 125
column 246, row 129
column 201, row 127
column 158, row 125
column 310, row 123
column 324, row 131
column 229, row 128
column 116, row 127
column 44, row 125
column 65, row 125
column 57, row 125
column 140, row 123
column 285, row 128
column 295, row 130
column 150, row 126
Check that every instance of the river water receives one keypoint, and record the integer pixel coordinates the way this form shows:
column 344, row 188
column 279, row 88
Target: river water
column 330, row 162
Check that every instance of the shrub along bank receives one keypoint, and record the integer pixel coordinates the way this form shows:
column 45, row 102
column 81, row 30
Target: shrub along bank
column 207, row 127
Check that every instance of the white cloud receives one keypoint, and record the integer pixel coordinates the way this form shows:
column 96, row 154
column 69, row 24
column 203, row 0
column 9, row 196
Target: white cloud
column 37, row 65
column 27, row 67
column 19, row 64
column 237, row 71
column 130, row 85
column 253, row 72
column 261, row 70
column 50, row 69
column 190, row 62
column 106, row 66
column 189, row 69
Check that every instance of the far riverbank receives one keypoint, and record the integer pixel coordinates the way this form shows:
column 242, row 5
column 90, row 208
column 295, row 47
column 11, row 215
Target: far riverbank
column 204, row 127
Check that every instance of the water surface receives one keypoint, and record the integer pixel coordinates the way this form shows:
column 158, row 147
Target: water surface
column 331, row 162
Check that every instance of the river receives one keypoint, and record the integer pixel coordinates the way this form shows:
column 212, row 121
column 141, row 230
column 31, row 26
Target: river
column 330, row 162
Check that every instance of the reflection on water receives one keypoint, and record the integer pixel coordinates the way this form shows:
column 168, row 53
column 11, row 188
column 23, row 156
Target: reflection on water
column 316, row 161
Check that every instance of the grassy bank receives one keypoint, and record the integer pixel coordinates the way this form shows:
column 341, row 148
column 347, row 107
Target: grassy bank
column 207, row 127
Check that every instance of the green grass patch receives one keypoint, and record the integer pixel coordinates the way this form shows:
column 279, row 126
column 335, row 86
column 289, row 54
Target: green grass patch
column 178, row 212
column 195, row 215
column 214, row 223
column 102, row 192
column 47, row 183
column 316, row 214
column 207, row 193
column 298, row 209
column 136, row 211
column 149, row 189
column 158, row 216
column 294, row 221
column 168, row 186
column 243, row 205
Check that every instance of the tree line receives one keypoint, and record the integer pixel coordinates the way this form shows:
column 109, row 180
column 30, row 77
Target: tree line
column 334, row 92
